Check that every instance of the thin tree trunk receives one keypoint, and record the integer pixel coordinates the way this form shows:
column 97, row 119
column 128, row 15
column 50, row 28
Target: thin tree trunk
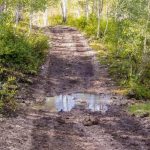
column 17, row 15
column 2, row 8
column 87, row 9
column 100, row 8
column 93, row 7
column 107, row 21
column 116, row 13
column 5, row 6
column 146, row 27
column 78, row 12
column 30, row 22
column 64, row 10
column 45, row 17
column 144, row 53
column 98, row 16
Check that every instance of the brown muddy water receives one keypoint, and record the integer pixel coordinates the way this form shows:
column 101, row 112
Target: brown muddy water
column 67, row 102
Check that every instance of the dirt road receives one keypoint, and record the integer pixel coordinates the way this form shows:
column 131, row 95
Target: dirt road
column 71, row 67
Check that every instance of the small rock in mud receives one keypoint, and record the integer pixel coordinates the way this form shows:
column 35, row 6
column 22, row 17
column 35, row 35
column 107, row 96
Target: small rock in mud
column 145, row 115
column 73, row 81
column 22, row 105
column 133, row 115
column 114, row 97
column 90, row 121
column 61, row 120
column 124, row 136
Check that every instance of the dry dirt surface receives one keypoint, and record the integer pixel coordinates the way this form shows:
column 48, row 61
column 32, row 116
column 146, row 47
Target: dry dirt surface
column 71, row 66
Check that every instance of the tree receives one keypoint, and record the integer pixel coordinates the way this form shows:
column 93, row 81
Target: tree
column 64, row 10
column 100, row 8
column 87, row 9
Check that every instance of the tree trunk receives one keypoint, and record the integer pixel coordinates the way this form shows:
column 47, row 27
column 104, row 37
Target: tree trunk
column 87, row 9
column 94, row 8
column 1, row 8
column 64, row 10
column 100, row 8
column 78, row 12
column 145, row 33
column 45, row 17
column 17, row 15
column 145, row 58
column 146, row 28
column 98, row 17
column 107, row 21
column 116, row 11
column 30, row 22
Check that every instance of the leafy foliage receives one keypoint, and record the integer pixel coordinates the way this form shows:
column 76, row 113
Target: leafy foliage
column 22, row 52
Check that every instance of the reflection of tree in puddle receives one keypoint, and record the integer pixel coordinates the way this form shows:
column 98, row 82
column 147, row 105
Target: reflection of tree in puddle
column 90, row 101
column 65, row 102
column 97, row 103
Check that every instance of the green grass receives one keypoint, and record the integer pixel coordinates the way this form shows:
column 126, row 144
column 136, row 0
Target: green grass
column 139, row 108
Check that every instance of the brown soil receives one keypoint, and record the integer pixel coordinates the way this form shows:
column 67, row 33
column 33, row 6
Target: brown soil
column 71, row 66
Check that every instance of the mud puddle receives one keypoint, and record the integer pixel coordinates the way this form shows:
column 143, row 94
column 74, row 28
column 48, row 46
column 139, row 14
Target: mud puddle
column 67, row 102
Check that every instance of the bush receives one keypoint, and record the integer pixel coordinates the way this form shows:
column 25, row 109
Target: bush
column 138, row 91
column 8, row 104
column 19, row 54
column 22, row 52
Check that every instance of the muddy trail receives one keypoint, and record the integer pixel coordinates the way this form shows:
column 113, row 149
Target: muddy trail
column 72, row 106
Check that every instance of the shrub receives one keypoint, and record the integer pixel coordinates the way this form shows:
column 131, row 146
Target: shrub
column 22, row 52
column 8, row 104
column 19, row 54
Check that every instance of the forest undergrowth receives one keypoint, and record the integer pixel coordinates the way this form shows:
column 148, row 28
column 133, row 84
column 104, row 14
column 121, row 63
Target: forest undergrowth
column 21, row 55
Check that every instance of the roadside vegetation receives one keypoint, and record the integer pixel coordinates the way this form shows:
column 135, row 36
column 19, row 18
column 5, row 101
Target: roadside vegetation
column 140, row 109
column 22, row 51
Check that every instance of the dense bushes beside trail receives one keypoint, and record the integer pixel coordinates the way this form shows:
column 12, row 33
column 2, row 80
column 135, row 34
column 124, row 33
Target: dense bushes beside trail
column 20, row 53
